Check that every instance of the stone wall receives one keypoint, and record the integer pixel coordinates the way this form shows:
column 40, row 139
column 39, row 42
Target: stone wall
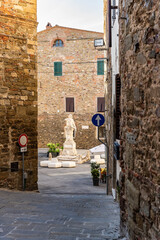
column 140, row 113
column 108, row 99
column 79, row 80
column 18, row 92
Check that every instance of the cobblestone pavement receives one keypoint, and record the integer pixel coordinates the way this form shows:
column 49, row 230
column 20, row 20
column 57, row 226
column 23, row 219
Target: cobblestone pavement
column 67, row 207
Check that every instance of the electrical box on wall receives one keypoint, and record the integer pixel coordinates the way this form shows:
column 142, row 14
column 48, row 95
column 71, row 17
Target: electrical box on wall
column 14, row 167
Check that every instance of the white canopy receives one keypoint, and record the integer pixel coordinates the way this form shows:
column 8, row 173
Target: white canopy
column 100, row 149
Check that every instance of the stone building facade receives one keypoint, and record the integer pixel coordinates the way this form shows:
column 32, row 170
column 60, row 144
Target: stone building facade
column 68, row 83
column 18, row 92
column 108, row 101
column 111, row 30
column 140, row 117
column 139, row 65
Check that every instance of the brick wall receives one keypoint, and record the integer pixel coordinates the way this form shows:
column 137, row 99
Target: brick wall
column 140, row 113
column 18, row 91
column 79, row 80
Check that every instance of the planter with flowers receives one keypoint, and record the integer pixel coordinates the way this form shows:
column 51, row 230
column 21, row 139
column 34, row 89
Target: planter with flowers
column 103, row 173
column 54, row 149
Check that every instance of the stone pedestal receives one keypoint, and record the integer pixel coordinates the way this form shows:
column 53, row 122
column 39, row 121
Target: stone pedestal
column 69, row 148
column 69, row 152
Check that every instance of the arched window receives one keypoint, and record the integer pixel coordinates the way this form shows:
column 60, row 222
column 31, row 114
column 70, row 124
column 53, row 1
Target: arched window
column 58, row 43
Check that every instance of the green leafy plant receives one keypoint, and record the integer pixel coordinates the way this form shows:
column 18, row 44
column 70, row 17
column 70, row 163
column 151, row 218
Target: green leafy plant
column 54, row 147
column 95, row 165
column 95, row 173
column 95, row 170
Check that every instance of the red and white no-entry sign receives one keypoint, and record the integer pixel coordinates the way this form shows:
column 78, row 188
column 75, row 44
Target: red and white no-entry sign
column 23, row 140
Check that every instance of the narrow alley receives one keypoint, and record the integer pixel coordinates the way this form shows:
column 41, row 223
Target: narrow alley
column 67, row 207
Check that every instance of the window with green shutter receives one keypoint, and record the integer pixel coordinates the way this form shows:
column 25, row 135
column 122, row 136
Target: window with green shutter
column 100, row 67
column 57, row 68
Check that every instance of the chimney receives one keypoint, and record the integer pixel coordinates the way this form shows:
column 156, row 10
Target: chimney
column 48, row 25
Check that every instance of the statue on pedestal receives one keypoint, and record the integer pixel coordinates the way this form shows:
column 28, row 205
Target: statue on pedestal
column 70, row 128
column 69, row 152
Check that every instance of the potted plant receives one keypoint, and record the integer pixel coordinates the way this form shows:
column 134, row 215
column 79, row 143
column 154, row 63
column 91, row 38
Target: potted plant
column 103, row 175
column 95, row 175
column 95, row 171
column 54, row 148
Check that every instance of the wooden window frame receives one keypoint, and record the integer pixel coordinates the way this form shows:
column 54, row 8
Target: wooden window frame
column 66, row 107
column 102, row 109
column 102, row 138
column 58, row 43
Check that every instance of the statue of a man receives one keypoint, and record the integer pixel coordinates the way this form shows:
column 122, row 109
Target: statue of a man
column 69, row 128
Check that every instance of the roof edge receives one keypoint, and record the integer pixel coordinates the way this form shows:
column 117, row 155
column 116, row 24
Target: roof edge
column 57, row 26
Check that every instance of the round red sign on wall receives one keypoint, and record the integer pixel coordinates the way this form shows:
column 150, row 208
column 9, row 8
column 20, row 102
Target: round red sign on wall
column 23, row 140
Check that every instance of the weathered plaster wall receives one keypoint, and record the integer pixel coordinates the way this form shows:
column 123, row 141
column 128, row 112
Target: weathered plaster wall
column 79, row 80
column 140, row 113
column 18, row 91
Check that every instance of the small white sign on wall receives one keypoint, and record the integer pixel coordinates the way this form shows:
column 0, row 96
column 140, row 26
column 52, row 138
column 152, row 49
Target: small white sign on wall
column 98, row 42
column 85, row 127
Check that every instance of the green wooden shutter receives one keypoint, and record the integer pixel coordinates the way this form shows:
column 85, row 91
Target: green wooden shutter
column 100, row 67
column 57, row 68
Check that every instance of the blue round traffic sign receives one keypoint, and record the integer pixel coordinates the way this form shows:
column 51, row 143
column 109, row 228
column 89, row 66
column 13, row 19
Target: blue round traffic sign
column 98, row 120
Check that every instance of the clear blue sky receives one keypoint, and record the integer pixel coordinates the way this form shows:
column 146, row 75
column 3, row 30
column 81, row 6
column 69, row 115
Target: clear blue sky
column 82, row 14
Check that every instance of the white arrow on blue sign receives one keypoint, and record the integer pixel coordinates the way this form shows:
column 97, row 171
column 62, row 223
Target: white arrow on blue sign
column 98, row 120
